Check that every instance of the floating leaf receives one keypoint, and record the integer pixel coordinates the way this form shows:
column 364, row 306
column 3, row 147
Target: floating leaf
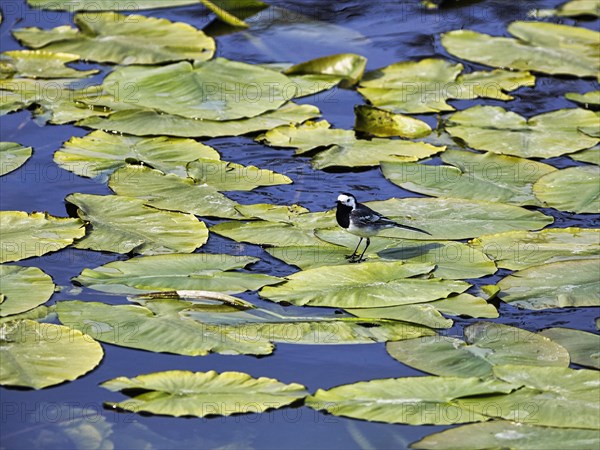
column 425, row 86
column 563, row 284
column 23, row 288
column 346, row 67
column 382, row 123
column 228, row 176
column 39, row 314
column 487, row 345
column 196, row 271
column 39, row 355
column 587, row 99
column 13, row 156
column 43, row 64
column 183, row 393
column 541, row 47
column 583, row 347
column 423, row 314
column 466, row 305
column 573, row 8
column 591, row 155
column 489, row 177
column 98, row 154
column 25, row 235
column 107, row 5
column 122, row 225
column 411, row 400
column 343, row 149
column 576, row 189
column 517, row 250
column 544, row 136
column 171, row 192
column 548, row 397
column 366, row 285
column 134, row 39
column 505, row 434
column 218, row 89
column 143, row 122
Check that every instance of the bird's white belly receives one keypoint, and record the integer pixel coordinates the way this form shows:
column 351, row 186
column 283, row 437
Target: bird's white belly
column 364, row 231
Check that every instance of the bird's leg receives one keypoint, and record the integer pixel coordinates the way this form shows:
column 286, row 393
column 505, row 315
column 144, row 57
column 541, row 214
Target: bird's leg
column 351, row 257
column 365, row 249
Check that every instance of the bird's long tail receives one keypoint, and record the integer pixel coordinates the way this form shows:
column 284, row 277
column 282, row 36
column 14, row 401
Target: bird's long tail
column 406, row 227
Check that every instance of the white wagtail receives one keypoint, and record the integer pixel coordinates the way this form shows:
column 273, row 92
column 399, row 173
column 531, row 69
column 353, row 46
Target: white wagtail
column 362, row 221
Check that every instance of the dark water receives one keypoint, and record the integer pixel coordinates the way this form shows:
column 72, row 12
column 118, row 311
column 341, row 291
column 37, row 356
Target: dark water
column 385, row 32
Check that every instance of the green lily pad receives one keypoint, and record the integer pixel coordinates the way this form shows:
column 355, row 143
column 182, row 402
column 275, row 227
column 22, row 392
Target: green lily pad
column 505, row 434
column 573, row 8
column 466, row 305
column 343, row 148
column 583, row 347
column 122, row 225
column 171, row 192
column 281, row 213
column 425, row 86
column 548, row 397
column 489, row 177
column 229, row 176
column 423, row 314
column 487, row 345
column 43, row 64
column 183, row 393
column 456, row 218
column 196, row 271
column 382, row 123
column 517, row 250
column 587, row 99
column 576, row 189
column 547, row 135
column 540, row 47
column 40, row 313
column 107, row 5
column 39, row 355
column 347, row 68
column 133, row 39
column 411, row 400
column 23, row 288
column 591, row 155
column 563, row 284
column 218, row 89
column 366, row 285
column 99, row 154
column 25, row 235
column 141, row 122
column 453, row 260
column 13, row 156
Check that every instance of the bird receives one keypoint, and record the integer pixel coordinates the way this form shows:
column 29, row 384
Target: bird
column 363, row 222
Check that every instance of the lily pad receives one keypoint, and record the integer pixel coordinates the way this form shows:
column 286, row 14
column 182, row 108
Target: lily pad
column 40, row 313
column 25, row 235
column 343, row 148
column 425, row 86
column 382, row 123
column 43, row 64
column 576, row 189
column 347, row 68
column 548, row 397
column 423, row 314
column 489, row 177
column 487, row 345
column 183, row 393
column 547, row 135
column 134, row 39
column 218, row 89
column 107, row 5
column 196, row 271
column 39, row 355
column 229, row 176
column 573, row 8
column 99, row 154
column 13, row 156
column 505, row 434
column 411, row 400
column 171, row 192
column 366, row 285
column 517, row 250
column 123, row 224
column 23, row 288
column 466, row 305
column 142, row 122
column 583, row 347
column 587, row 99
column 591, row 155
column 563, row 284
column 540, row 47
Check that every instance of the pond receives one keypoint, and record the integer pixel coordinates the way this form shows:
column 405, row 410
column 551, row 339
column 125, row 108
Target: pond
column 74, row 415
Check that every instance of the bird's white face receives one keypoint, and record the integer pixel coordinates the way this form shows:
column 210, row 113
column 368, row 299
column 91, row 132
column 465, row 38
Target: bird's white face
column 347, row 200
